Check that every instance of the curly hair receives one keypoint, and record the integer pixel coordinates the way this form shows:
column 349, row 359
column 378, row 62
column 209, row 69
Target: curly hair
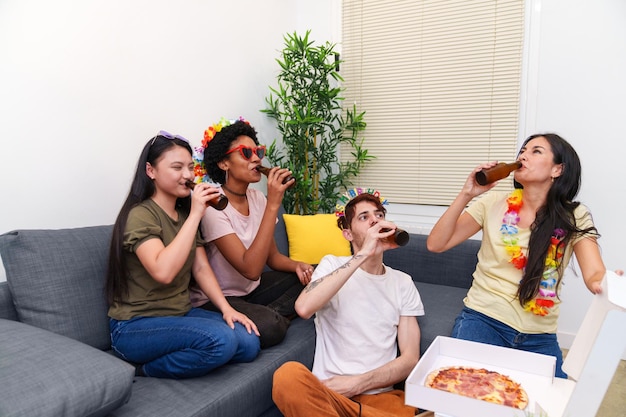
column 216, row 149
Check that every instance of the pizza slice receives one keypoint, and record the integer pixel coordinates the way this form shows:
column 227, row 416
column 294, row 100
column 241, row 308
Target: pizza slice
column 480, row 384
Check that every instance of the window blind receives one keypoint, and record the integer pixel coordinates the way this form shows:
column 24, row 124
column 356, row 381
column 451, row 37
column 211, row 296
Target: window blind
column 440, row 84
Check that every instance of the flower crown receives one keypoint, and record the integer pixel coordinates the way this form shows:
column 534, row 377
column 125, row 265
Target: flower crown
column 340, row 207
column 200, row 174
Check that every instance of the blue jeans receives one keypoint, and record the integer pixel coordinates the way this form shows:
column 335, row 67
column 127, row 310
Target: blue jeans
column 182, row 346
column 477, row 327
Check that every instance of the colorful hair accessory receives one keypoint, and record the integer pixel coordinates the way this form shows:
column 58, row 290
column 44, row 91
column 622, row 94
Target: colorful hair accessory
column 544, row 301
column 212, row 130
column 340, row 207
column 200, row 174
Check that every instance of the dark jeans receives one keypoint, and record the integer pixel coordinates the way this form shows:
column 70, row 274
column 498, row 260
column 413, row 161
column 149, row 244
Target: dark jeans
column 270, row 306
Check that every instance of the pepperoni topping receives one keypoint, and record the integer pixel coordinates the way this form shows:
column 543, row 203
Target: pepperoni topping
column 481, row 384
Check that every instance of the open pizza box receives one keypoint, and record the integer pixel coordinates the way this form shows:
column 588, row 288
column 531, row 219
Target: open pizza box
column 533, row 371
column 590, row 363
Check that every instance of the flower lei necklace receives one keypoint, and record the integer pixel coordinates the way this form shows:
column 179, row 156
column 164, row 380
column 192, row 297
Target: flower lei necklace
column 547, row 288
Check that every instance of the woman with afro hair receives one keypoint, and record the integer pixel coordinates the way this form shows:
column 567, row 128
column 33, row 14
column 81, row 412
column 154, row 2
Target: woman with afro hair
column 241, row 237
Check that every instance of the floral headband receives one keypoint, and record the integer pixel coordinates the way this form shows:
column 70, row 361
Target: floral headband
column 340, row 207
column 200, row 174
column 212, row 130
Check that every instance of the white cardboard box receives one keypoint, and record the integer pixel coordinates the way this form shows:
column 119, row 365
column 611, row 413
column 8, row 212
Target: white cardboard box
column 533, row 371
column 590, row 363
column 594, row 356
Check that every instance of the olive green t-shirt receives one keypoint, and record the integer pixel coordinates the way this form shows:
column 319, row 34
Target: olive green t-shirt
column 146, row 296
column 496, row 280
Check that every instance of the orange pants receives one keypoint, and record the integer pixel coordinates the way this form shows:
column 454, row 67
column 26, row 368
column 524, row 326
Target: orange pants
column 298, row 393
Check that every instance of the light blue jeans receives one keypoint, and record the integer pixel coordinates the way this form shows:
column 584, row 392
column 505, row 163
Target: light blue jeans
column 477, row 327
column 182, row 346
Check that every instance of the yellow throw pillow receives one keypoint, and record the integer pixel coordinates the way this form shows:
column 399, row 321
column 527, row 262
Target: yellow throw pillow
column 311, row 237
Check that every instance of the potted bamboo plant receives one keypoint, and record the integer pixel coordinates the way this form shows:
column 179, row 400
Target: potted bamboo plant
column 307, row 107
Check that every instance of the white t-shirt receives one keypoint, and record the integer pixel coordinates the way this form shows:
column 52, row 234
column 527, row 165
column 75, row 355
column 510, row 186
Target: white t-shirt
column 358, row 327
column 216, row 224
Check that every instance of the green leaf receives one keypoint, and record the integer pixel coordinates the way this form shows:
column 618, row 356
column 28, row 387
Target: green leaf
column 306, row 104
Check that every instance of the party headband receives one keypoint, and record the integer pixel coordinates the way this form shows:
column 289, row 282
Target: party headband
column 199, row 170
column 340, row 207
column 215, row 128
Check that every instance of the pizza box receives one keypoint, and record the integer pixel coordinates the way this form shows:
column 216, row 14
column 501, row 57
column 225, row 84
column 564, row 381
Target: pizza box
column 593, row 357
column 590, row 364
column 534, row 372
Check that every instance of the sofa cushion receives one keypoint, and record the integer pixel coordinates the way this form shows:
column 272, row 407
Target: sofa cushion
column 280, row 233
column 7, row 310
column 313, row 236
column 453, row 267
column 45, row 374
column 442, row 303
column 57, row 278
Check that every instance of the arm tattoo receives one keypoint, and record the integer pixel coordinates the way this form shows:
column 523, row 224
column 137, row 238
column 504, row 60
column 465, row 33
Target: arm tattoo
column 317, row 282
column 314, row 284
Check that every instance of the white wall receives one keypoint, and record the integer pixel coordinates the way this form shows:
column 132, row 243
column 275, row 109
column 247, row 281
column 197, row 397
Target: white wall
column 581, row 90
column 83, row 85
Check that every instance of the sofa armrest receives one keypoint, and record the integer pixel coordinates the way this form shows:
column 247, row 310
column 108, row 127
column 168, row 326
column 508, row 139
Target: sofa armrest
column 46, row 374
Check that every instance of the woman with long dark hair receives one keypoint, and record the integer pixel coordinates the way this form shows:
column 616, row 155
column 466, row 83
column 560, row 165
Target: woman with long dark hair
column 155, row 248
column 529, row 236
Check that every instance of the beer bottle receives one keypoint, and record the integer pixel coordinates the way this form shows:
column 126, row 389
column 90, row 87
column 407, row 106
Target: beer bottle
column 266, row 171
column 400, row 237
column 218, row 203
column 496, row 172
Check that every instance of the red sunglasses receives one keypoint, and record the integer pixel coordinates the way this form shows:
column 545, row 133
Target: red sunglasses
column 248, row 151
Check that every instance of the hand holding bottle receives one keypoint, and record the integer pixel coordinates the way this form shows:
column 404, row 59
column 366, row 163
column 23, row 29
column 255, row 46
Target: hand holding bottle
column 266, row 171
column 218, row 203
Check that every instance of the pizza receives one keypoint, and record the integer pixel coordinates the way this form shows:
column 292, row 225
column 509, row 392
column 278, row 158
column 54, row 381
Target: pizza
column 480, row 384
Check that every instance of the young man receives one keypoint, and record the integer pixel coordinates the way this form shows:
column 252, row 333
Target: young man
column 364, row 313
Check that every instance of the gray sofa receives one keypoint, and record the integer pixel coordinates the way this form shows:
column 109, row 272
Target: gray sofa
column 55, row 357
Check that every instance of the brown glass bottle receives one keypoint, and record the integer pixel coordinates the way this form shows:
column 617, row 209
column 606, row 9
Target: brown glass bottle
column 218, row 203
column 265, row 171
column 497, row 172
column 400, row 237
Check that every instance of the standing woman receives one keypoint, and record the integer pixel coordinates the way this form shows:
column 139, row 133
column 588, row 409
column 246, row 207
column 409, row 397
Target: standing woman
column 241, row 237
column 155, row 248
column 528, row 238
